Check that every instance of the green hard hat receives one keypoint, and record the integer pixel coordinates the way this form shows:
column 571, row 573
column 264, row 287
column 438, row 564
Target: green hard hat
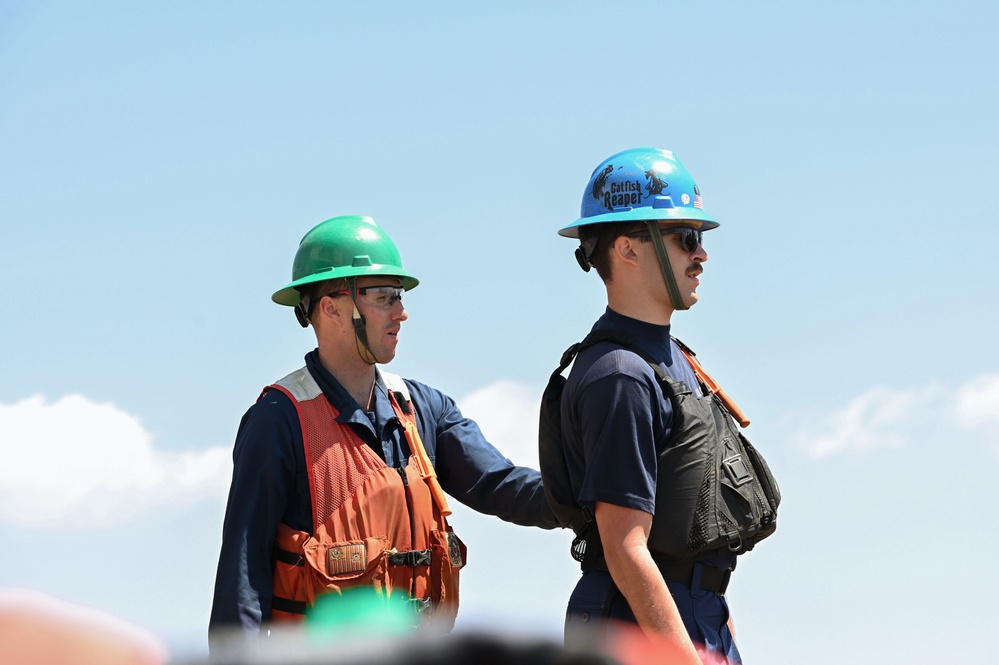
column 346, row 246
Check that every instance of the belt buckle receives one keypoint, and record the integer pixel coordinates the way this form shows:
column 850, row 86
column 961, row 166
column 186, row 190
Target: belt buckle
column 424, row 606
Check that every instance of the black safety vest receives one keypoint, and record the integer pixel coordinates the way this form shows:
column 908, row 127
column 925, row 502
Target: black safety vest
column 714, row 490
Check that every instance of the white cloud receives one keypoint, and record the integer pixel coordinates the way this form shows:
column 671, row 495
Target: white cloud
column 94, row 463
column 507, row 413
column 978, row 401
column 882, row 418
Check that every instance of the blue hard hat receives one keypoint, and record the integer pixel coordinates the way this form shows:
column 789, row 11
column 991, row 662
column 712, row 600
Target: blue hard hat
column 638, row 185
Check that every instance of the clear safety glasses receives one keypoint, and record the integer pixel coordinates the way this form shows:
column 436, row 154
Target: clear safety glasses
column 690, row 239
column 383, row 297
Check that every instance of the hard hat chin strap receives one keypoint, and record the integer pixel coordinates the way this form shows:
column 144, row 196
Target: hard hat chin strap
column 664, row 265
column 360, row 331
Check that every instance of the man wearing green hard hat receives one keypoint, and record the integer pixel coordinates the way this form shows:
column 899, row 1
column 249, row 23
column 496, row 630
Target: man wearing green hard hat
column 640, row 451
column 341, row 468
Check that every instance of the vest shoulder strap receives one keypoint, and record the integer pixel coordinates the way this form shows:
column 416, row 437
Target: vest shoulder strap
column 406, row 412
column 395, row 383
column 620, row 338
column 711, row 386
column 301, row 385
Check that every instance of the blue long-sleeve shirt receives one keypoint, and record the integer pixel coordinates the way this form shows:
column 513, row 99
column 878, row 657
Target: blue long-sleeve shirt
column 270, row 482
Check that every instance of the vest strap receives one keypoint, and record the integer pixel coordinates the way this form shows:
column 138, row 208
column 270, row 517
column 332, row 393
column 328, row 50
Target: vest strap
column 412, row 558
column 711, row 385
column 287, row 605
column 399, row 396
column 290, row 558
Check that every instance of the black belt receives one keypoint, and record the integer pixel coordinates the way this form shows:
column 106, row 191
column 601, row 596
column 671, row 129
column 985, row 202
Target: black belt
column 712, row 579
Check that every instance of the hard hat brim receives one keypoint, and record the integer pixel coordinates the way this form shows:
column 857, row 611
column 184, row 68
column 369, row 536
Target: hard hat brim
column 703, row 221
column 290, row 296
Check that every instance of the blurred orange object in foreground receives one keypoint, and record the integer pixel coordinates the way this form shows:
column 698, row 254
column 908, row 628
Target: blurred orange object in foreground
column 630, row 645
column 38, row 629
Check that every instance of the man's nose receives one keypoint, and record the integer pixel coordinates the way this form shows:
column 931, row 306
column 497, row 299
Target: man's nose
column 399, row 312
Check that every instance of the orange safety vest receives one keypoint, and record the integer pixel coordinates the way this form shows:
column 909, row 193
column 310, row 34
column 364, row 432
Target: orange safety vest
column 374, row 526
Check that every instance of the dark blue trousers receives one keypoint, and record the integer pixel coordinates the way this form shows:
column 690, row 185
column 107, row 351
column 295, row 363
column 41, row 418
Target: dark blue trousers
column 705, row 613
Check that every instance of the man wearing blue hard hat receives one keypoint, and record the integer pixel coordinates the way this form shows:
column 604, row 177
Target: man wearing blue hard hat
column 640, row 451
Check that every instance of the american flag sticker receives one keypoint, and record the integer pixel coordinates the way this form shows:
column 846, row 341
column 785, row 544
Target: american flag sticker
column 697, row 198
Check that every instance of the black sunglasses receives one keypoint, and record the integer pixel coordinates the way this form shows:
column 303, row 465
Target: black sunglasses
column 690, row 239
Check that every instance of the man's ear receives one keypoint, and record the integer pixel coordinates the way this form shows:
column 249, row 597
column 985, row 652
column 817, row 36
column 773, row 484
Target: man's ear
column 624, row 250
column 330, row 310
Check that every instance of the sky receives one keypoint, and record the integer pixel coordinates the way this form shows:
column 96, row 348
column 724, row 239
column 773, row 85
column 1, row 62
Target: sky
column 159, row 163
